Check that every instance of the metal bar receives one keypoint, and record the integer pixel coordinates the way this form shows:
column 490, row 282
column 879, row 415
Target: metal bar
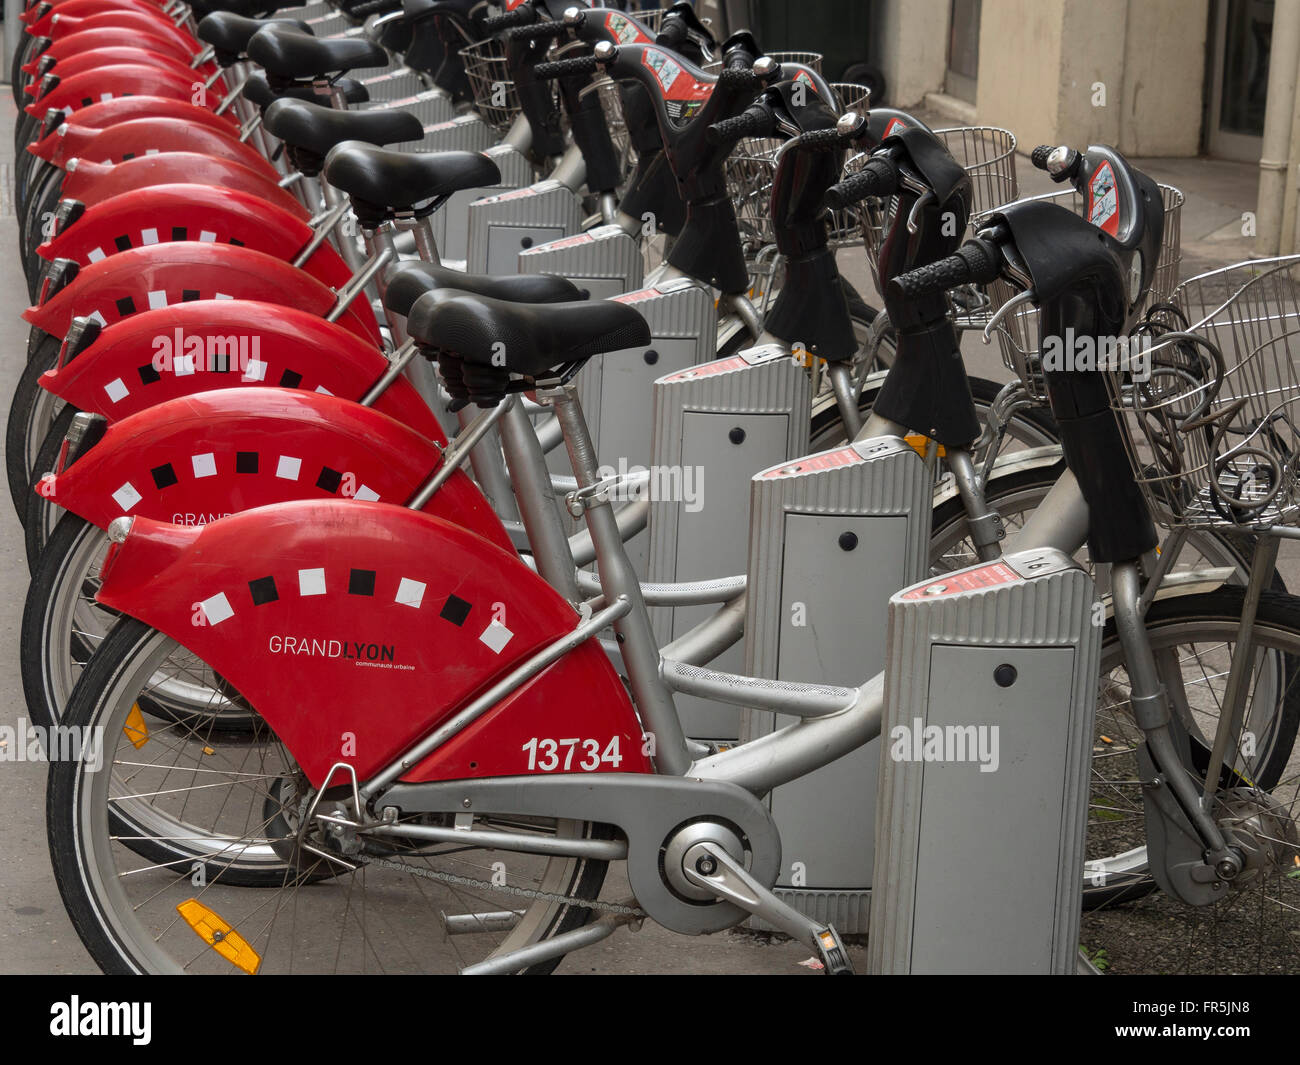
column 585, row 936
column 1234, row 699
column 1169, row 552
column 846, row 397
column 630, row 519
column 496, row 693
column 712, row 636
column 459, row 447
column 787, row 697
column 328, row 221
column 683, row 593
column 353, row 288
column 604, row 850
column 460, row 924
column 396, row 364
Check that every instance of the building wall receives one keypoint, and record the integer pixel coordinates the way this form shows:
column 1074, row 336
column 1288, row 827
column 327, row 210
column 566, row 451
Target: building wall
column 1123, row 72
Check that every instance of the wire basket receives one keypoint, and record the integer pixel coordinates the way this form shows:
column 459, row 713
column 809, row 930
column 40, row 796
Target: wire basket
column 495, row 96
column 812, row 60
column 1017, row 331
column 1209, row 404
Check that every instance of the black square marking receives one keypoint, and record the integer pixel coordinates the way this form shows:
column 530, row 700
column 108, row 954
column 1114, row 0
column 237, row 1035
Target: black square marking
column 455, row 610
column 126, row 156
column 361, row 582
column 189, row 295
column 125, row 306
column 148, row 374
column 164, row 476
column 329, row 480
column 178, row 233
column 289, row 379
column 123, row 242
column 245, row 461
column 87, row 102
column 236, row 243
column 263, row 590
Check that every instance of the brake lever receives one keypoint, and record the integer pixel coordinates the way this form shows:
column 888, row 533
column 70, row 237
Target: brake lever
column 1028, row 296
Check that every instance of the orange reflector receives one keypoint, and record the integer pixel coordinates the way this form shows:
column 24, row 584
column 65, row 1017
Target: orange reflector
column 135, row 729
column 210, row 927
column 919, row 443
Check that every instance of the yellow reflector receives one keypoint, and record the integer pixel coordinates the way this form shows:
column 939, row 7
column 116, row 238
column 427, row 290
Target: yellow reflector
column 135, row 729
column 210, row 927
column 919, row 443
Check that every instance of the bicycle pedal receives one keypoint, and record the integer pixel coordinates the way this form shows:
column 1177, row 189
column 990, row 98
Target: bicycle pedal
column 834, row 956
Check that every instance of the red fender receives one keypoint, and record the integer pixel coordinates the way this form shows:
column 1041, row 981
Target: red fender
column 167, row 213
column 142, row 133
column 203, row 457
column 116, row 375
column 62, row 26
column 117, row 54
column 109, row 37
column 392, row 621
column 124, row 79
column 92, row 183
column 187, row 270
column 46, row 8
column 83, row 9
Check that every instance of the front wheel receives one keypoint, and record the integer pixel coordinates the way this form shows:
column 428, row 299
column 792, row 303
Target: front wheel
column 145, row 838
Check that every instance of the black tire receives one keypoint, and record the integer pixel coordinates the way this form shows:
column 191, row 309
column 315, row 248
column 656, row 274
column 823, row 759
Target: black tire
column 76, row 823
column 42, row 513
column 44, row 200
column 1202, row 618
column 872, row 77
column 22, row 436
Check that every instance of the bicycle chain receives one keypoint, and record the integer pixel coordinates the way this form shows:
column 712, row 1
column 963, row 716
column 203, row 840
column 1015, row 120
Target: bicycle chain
column 528, row 893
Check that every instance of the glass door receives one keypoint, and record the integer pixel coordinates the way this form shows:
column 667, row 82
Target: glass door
column 1243, row 31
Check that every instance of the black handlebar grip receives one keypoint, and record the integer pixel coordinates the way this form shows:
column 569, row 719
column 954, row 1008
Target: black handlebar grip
column 738, row 79
column 820, row 140
column 539, row 31
column 756, row 121
column 975, row 262
column 878, row 177
column 1039, row 155
column 672, row 33
column 524, row 15
column 563, row 68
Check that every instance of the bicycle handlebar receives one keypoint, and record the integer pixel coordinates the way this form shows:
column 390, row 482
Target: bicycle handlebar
column 538, row 31
column 755, row 121
column 975, row 262
column 879, row 177
column 563, row 68
column 821, row 140
column 525, row 15
column 1039, row 155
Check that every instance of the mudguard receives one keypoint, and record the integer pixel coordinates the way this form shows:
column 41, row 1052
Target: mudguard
column 142, row 15
column 97, row 117
column 82, row 62
column 181, row 272
column 168, row 213
column 91, row 183
column 38, row 16
column 141, row 136
column 62, row 26
column 124, row 79
column 109, row 37
column 356, row 628
column 199, row 458
column 131, row 365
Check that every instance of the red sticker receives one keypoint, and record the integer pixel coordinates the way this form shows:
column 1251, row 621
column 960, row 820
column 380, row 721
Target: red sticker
column 894, row 124
column 707, row 369
column 845, row 456
column 1103, row 200
column 973, row 580
column 567, row 242
column 624, row 30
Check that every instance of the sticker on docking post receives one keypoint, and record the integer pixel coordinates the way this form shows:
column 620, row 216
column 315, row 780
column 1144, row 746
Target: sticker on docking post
column 973, row 580
column 1103, row 200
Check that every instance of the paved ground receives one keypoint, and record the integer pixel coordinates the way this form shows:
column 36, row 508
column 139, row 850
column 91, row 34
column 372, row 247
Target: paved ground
column 35, row 936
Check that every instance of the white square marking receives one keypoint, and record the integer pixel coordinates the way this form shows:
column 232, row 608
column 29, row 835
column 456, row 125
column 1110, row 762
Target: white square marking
column 217, row 609
column 98, row 317
column 104, row 97
column 311, row 582
column 116, row 389
column 126, row 497
column 207, row 236
column 221, row 296
column 288, row 467
column 157, row 300
column 205, row 465
column 366, row 495
column 95, row 254
column 323, row 390
column 182, row 365
column 256, row 370
column 496, row 636
column 149, row 236
column 410, row 593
